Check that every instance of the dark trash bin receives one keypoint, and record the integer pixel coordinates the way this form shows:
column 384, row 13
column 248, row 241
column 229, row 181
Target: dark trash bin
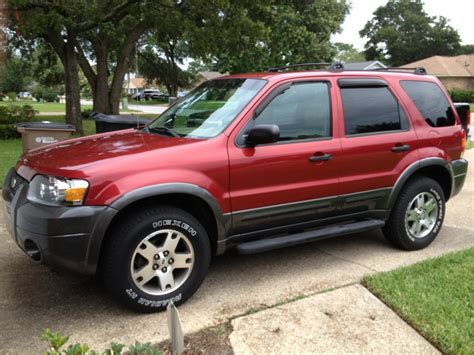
column 40, row 133
column 109, row 123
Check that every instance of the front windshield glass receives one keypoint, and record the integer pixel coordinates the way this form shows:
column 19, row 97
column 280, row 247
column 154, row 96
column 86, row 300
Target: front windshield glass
column 208, row 109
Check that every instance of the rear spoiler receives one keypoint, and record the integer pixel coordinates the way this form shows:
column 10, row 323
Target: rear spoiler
column 464, row 113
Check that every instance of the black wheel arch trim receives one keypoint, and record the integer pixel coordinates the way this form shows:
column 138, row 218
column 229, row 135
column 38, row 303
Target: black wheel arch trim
column 413, row 169
column 222, row 220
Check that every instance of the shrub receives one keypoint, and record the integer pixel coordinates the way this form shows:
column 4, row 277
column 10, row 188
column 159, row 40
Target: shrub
column 11, row 95
column 50, row 96
column 9, row 115
column 38, row 93
column 56, row 341
column 462, row 95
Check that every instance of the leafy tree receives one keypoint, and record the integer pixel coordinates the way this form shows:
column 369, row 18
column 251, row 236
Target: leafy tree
column 275, row 32
column 164, row 49
column 466, row 49
column 61, row 25
column 401, row 32
column 346, row 53
column 15, row 74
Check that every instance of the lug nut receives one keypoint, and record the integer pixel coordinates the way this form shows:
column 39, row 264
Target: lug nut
column 157, row 256
column 171, row 261
column 166, row 253
column 155, row 266
column 164, row 269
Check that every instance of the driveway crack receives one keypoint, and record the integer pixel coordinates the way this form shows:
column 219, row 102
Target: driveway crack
column 347, row 260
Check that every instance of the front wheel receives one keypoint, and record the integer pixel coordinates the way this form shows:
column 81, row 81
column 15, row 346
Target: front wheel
column 417, row 216
column 156, row 256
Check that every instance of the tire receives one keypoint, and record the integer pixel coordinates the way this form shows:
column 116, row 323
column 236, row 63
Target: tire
column 138, row 269
column 417, row 216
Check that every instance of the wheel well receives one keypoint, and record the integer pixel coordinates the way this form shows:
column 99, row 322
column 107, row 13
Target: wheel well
column 195, row 206
column 438, row 173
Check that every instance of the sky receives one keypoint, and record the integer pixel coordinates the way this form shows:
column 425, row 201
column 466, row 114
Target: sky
column 459, row 12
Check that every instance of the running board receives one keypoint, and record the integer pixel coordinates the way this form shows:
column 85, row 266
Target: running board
column 262, row 245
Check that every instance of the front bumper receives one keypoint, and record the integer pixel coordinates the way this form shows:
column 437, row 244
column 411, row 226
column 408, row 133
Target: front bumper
column 60, row 236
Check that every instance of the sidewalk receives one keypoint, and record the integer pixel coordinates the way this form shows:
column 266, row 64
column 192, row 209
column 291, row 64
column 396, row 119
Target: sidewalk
column 347, row 320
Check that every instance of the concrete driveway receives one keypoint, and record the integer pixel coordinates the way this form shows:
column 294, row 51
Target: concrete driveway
column 32, row 297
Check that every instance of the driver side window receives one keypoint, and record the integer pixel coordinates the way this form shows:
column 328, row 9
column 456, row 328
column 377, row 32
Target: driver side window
column 303, row 111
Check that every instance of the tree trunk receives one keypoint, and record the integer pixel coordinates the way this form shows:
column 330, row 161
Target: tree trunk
column 73, row 90
column 66, row 53
column 123, row 62
column 101, row 97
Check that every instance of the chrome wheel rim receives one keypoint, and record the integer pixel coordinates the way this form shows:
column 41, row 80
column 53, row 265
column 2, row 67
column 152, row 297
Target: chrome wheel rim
column 421, row 215
column 162, row 262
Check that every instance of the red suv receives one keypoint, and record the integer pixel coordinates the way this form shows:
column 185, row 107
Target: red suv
column 250, row 162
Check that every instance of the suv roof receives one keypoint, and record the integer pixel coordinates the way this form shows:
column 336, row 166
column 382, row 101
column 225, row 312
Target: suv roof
column 334, row 69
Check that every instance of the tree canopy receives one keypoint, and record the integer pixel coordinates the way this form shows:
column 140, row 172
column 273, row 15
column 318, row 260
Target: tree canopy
column 401, row 32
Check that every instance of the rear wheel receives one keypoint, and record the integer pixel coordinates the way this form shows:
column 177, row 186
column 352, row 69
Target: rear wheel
column 154, row 257
column 417, row 216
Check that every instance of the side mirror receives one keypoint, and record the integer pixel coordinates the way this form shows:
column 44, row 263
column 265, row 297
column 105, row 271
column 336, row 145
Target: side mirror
column 262, row 134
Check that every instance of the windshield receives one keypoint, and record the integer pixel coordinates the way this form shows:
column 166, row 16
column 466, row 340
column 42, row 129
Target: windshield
column 208, row 109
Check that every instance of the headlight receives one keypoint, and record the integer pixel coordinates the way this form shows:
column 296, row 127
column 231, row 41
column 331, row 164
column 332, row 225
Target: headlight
column 54, row 191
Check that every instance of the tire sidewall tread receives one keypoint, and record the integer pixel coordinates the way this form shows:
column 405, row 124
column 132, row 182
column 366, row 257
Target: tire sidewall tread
column 395, row 230
column 125, row 237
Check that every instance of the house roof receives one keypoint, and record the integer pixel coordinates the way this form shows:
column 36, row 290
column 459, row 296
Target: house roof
column 137, row 83
column 459, row 66
column 370, row 64
column 208, row 75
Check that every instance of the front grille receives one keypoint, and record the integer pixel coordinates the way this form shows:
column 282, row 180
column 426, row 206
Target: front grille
column 16, row 181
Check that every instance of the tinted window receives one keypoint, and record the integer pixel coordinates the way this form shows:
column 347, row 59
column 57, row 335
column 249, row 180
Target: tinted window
column 430, row 101
column 368, row 110
column 302, row 111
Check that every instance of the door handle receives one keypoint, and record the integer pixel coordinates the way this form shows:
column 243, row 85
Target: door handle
column 323, row 157
column 400, row 148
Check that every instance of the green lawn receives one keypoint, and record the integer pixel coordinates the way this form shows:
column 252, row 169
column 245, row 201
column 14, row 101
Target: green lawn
column 436, row 297
column 43, row 106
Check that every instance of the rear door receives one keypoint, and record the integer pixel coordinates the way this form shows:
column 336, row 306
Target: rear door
column 378, row 142
column 287, row 182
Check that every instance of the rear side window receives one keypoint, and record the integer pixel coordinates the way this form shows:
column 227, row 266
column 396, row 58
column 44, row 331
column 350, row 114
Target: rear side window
column 430, row 101
column 371, row 109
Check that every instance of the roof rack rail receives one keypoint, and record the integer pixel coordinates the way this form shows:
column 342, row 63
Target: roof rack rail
column 416, row 70
column 331, row 66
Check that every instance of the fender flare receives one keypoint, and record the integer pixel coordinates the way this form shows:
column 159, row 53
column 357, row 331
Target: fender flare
column 106, row 218
column 411, row 170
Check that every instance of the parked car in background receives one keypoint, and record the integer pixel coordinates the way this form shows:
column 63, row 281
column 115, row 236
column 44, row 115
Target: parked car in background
column 24, row 95
column 250, row 162
column 150, row 94
column 182, row 93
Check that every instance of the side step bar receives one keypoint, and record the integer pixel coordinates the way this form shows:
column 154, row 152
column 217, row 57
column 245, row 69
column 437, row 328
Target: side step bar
column 262, row 245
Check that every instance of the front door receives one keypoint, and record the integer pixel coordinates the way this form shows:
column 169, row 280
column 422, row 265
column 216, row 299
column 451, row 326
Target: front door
column 294, row 180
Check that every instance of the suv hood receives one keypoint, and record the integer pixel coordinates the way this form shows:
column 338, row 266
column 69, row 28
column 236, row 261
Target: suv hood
column 75, row 157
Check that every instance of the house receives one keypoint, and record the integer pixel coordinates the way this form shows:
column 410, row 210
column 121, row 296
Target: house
column 456, row 73
column 368, row 65
column 134, row 85
column 203, row 76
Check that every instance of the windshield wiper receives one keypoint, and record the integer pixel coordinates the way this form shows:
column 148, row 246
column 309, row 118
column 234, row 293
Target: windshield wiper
column 162, row 129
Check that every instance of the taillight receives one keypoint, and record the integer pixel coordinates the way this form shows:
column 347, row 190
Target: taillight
column 463, row 141
column 468, row 118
